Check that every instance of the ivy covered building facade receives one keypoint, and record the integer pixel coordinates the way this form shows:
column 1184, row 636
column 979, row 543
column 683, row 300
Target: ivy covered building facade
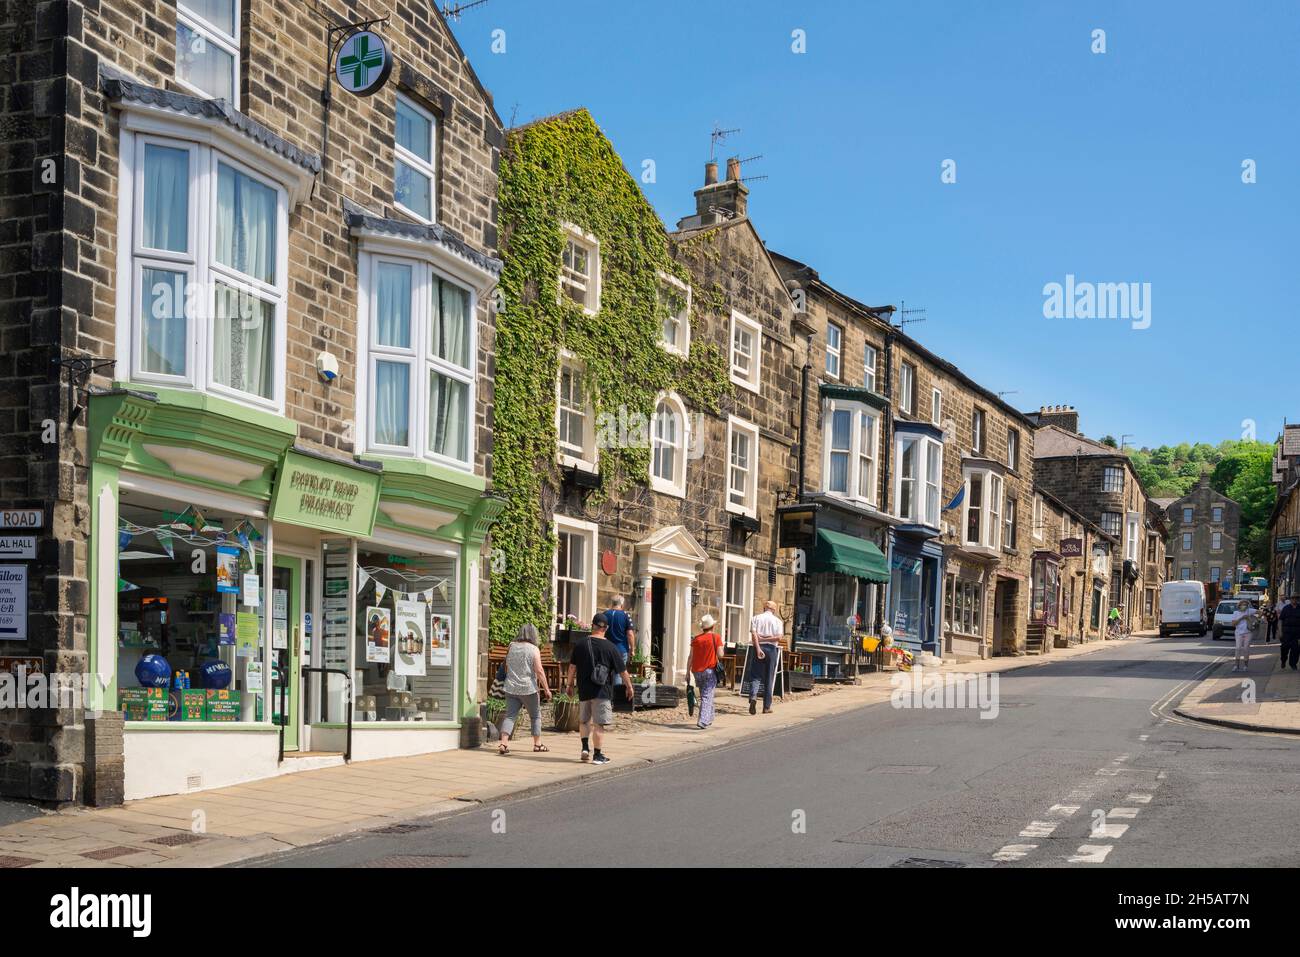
column 643, row 387
column 249, row 387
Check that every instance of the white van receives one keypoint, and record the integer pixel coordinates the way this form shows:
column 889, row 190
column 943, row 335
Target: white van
column 1182, row 607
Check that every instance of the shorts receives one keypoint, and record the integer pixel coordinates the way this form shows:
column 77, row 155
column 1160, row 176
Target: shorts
column 597, row 711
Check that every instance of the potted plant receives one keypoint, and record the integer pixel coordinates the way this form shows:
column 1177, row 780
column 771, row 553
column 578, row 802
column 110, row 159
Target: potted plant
column 569, row 628
column 495, row 711
column 638, row 664
column 564, row 711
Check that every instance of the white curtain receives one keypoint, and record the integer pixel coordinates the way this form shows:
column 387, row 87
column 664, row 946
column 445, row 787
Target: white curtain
column 392, row 403
column 246, row 224
column 166, row 198
column 448, row 413
column 162, row 321
column 393, row 305
column 451, row 323
column 241, row 341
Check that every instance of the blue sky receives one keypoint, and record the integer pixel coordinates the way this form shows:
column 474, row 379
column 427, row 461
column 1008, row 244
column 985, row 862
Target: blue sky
column 1117, row 167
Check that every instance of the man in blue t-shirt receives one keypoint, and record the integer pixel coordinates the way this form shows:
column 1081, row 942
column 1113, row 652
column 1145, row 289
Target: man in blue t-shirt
column 621, row 630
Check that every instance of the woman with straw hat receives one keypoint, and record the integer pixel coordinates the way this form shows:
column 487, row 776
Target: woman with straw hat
column 705, row 648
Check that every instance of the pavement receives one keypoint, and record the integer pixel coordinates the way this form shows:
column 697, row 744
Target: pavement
column 271, row 816
column 1265, row 698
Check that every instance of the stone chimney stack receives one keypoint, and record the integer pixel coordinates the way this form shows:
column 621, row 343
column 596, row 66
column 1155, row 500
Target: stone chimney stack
column 716, row 202
column 1062, row 416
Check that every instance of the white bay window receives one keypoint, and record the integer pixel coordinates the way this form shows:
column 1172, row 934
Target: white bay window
column 852, row 450
column 918, row 477
column 982, row 509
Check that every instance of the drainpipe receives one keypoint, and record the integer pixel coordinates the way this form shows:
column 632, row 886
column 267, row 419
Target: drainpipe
column 887, row 436
column 803, row 415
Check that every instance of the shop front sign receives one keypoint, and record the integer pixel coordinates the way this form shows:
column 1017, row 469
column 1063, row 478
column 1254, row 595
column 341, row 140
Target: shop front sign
column 327, row 495
column 13, row 602
column 1071, row 547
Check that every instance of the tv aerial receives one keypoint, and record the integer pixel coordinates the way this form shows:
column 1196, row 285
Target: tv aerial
column 453, row 11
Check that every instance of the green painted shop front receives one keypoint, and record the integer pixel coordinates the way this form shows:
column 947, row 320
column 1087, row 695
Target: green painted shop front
column 265, row 586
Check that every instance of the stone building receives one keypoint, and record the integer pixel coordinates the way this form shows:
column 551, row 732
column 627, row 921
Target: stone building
column 247, row 367
column 910, row 456
column 1203, row 529
column 644, row 392
column 1069, row 576
column 1099, row 482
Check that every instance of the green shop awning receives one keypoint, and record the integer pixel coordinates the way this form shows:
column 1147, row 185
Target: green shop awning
column 837, row 552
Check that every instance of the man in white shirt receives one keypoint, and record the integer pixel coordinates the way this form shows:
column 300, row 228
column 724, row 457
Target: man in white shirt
column 765, row 632
column 1243, row 620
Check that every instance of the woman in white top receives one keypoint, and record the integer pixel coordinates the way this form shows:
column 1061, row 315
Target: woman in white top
column 524, row 675
column 1243, row 621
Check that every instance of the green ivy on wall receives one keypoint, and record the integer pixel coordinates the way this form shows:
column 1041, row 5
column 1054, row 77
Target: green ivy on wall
column 564, row 170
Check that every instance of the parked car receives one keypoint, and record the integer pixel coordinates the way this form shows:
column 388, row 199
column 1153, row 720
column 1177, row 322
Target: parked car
column 1223, row 614
column 1182, row 607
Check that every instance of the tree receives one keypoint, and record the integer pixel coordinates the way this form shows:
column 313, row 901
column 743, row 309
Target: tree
column 1109, row 440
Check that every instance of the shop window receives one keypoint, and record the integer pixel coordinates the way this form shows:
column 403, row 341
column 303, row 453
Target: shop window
column 575, row 415
column 580, row 269
column 675, row 309
column 207, row 48
column 405, row 653
column 422, row 346
column 669, row 440
column 746, row 351
column 190, row 600
column 742, row 467
column 737, row 599
column 963, row 606
column 1045, row 593
column 415, row 167
column 842, row 604
column 208, row 259
column 905, row 597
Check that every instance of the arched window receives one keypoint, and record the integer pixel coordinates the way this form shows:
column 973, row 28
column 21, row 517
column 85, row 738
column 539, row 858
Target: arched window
column 669, row 434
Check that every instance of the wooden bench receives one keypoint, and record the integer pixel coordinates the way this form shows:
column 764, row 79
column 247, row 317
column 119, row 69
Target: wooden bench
column 550, row 667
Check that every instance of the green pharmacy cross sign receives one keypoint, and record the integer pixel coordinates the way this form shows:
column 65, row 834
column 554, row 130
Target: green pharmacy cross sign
column 364, row 63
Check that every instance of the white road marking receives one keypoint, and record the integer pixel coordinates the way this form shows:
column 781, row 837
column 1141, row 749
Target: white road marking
column 1123, row 812
column 1121, row 759
column 1108, row 772
column 1109, row 830
column 1137, row 798
column 1039, row 829
column 1143, row 737
column 1065, row 810
column 1091, row 854
column 1014, row 852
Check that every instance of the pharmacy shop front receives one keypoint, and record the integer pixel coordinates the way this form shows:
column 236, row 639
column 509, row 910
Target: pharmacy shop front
column 245, row 591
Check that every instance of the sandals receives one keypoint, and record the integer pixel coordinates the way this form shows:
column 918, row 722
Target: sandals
column 540, row 747
column 503, row 749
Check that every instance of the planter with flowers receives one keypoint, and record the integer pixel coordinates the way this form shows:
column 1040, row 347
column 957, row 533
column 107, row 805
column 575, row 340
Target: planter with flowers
column 564, row 711
column 568, row 631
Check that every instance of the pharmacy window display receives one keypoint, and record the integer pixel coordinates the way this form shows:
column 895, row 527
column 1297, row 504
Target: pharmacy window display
column 190, row 613
column 405, row 633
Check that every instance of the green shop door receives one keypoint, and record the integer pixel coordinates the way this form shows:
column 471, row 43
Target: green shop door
column 286, row 645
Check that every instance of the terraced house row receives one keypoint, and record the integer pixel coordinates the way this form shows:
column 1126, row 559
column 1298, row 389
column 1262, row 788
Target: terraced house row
column 316, row 383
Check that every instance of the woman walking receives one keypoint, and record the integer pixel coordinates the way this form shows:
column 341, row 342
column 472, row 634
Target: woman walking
column 705, row 648
column 524, row 676
column 1243, row 623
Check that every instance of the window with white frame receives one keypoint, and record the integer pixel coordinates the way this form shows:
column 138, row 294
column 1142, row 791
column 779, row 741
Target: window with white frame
column 869, row 358
column 1113, row 479
column 746, row 351
column 1112, row 523
column 1185, row 573
column 917, row 480
column 675, row 315
column 1038, row 518
column 936, row 407
column 978, row 437
column 575, row 419
column 209, row 257
column 415, row 166
column 1216, row 540
column 1187, row 541
column 207, row 47
column 1009, row 533
column 737, row 598
column 963, row 606
column 1013, row 450
column 580, row 269
column 852, row 442
column 1215, row 572
column 420, row 376
column 742, row 467
column 669, row 442
column 1131, row 542
column 1187, row 515
column 1217, row 513
column 575, row 569
column 983, row 508
column 907, row 387
column 834, row 346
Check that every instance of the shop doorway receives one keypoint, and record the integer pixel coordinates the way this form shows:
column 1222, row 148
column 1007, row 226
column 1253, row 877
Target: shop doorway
column 286, row 607
column 1004, row 616
column 658, row 610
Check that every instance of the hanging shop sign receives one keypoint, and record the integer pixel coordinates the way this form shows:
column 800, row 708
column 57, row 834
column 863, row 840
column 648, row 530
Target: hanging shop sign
column 22, row 518
column 1071, row 547
column 13, row 602
column 325, row 494
column 797, row 526
column 364, row 63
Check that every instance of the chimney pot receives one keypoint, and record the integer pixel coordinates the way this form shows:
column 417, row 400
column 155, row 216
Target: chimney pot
column 733, row 169
column 710, row 173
